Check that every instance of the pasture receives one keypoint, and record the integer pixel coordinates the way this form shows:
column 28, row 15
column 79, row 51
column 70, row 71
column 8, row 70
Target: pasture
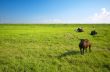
column 53, row 48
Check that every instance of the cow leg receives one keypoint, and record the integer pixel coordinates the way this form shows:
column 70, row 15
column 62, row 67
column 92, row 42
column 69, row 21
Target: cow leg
column 89, row 48
column 85, row 49
column 81, row 51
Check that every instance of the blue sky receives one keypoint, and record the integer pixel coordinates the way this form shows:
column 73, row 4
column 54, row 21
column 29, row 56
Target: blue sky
column 54, row 11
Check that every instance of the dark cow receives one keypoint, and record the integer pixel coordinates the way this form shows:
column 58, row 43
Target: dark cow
column 80, row 30
column 93, row 32
column 83, row 45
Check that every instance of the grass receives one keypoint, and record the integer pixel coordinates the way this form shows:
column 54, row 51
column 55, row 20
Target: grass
column 52, row 48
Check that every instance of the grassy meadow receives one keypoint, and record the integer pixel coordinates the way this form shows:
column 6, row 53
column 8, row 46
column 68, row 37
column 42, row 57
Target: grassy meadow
column 53, row 48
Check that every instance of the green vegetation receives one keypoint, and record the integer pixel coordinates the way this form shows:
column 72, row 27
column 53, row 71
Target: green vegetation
column 53, row 48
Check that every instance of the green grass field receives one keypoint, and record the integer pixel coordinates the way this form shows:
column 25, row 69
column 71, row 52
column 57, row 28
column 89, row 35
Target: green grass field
column 53, row 48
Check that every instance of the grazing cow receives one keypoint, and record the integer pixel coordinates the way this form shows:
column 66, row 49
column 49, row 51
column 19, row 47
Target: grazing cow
column 83, row 45
column 93, row 32
column 80, row 30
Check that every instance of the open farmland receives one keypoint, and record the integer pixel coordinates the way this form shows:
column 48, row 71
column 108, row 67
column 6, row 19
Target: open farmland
column 53, row 48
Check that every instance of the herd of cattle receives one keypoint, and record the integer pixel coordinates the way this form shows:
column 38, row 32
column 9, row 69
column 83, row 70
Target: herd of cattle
column 85, row 43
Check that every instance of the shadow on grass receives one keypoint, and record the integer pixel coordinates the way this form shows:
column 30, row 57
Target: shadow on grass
column 68, row 53
column 107, row 66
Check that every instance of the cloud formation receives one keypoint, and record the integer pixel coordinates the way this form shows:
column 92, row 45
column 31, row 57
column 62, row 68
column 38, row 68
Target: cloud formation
column 101, row 17
column 52, row 20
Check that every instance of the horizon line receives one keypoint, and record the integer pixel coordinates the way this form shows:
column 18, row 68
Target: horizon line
column 54, row 23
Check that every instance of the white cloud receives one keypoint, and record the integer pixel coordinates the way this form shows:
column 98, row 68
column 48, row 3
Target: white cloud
column 101, row 17
column 55, row 21
column 51, row 21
